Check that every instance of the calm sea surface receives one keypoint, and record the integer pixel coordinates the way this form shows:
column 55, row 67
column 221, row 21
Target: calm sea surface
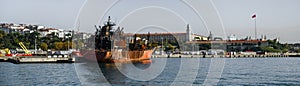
column 175, row 71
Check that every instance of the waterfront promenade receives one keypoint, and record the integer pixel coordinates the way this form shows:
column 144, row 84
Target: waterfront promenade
column 227, row 56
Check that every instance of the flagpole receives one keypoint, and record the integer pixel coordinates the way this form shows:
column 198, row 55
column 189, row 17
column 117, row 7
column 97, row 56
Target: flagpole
column 255, row 28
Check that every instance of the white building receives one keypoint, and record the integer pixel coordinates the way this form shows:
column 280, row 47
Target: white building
column 232, row 37
column 182, row 36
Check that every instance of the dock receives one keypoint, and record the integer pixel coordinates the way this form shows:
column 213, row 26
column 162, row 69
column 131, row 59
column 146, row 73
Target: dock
column 218, row 56
column 3, row 59
column 37, row 59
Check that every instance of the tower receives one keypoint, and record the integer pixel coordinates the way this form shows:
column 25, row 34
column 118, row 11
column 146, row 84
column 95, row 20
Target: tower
column 188, row 33
column 210, row 37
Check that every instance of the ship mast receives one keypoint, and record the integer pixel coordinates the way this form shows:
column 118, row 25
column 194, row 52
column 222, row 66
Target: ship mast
column 104, row 34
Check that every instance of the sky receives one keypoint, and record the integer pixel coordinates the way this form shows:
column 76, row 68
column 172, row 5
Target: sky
column 275, row 18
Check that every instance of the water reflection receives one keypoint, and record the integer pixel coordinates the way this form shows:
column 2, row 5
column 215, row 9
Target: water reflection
column 111, row 72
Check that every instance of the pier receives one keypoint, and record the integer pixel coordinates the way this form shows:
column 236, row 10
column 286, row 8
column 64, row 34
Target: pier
column 3, row 59
column 221, row 56
column 38, row 59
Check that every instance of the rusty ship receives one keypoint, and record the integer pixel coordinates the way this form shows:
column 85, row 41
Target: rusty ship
column 112, row 45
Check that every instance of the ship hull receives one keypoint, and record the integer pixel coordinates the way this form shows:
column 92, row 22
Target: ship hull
column 118, row 56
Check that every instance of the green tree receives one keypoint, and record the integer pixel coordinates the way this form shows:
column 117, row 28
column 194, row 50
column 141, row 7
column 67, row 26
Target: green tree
column 58, row 45
column 298, row 51
column 270, row 49
column 2, row 34
column 34, row 37
column 52, row 40
column 285, row 50
column 2, row 39
column 67, row 45
column 44, row 46
column 170, row 47
column 77, row 44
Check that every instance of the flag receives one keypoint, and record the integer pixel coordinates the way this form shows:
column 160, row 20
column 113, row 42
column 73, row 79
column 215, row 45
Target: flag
column 254, row 16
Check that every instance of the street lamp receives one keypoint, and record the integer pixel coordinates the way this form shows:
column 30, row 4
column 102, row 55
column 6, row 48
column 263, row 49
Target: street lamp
column 162, row 46
column 35, row 44
column 68, row 41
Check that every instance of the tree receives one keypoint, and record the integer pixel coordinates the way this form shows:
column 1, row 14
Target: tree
column 34, row 36
column 2, row 34
column 269, row 49
column 2, row 39
column 170, row 47
column 77, row 44
column 204, row 46
column 58, row 45
column 298, row 51
column 67, row 45
column 285, row 50
column 44, row 46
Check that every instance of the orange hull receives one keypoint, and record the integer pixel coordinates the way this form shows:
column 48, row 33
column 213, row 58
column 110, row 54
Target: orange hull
column 116, row 56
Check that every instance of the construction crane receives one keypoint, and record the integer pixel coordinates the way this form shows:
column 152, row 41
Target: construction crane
column 24, row 48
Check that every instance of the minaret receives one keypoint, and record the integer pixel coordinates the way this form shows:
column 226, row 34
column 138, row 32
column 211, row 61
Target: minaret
column 188, row 33
column 210, row 37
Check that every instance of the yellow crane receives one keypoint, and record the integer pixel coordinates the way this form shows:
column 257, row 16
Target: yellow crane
column 24, row 48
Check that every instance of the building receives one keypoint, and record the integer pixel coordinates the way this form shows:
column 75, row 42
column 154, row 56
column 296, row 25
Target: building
column 81, row 36
column 177, row 37
column 232, row 37
column 232, row 45
column 245, row 45
column 10, row 27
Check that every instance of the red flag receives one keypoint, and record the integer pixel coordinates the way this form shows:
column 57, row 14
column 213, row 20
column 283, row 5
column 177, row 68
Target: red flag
column 254, row 16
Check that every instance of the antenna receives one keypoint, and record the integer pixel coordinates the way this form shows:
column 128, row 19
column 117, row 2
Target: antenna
column 78, row 26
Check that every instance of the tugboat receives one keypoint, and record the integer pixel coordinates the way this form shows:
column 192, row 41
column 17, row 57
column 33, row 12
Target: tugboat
column 113, row 46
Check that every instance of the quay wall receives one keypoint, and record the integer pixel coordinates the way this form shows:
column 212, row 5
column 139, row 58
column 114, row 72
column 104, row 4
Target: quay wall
column 219, row 56
column 38, row 59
